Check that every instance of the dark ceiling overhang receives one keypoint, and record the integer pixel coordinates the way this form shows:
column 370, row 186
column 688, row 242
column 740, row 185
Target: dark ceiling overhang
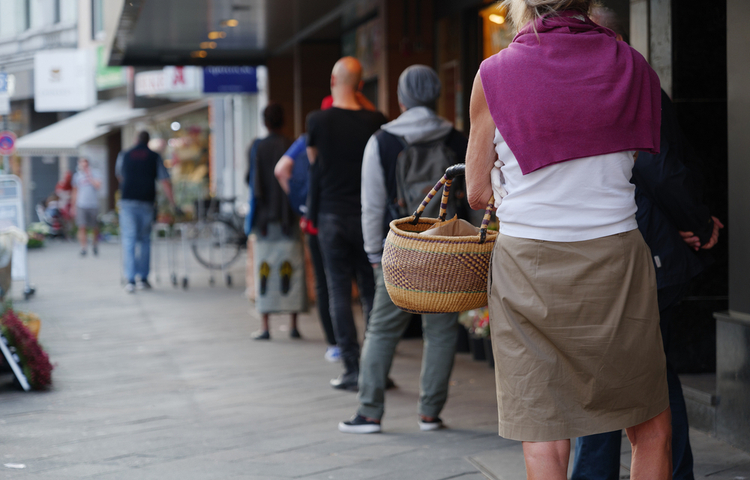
column 170, row 32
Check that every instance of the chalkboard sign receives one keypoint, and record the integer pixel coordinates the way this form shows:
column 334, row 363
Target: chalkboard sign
column 12, row 359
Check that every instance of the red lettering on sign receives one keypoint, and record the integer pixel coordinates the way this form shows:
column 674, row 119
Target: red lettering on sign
column 179, row 76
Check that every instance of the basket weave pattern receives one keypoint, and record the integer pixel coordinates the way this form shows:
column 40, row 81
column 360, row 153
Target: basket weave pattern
column 435, row 274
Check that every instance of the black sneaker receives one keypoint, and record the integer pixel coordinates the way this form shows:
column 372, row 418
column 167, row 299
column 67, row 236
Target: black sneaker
column 360, row 424
column 294, row 333
column 95, row 250
column 261, row 335
column 83, row 252
column 346, row 381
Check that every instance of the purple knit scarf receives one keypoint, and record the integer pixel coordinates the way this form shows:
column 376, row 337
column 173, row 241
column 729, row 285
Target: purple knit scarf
column 570, row 91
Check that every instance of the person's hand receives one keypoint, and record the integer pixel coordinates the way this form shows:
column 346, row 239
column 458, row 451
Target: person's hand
column 715, row 235
column 695, row 243
column 691, row 239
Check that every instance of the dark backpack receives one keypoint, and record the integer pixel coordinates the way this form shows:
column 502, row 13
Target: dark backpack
column 418, row 168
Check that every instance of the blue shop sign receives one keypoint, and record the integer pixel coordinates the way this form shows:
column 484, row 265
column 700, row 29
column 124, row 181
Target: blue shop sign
column 230, row 80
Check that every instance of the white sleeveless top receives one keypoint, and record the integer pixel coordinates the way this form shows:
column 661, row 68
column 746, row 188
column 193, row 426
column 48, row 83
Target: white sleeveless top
column 572, row 201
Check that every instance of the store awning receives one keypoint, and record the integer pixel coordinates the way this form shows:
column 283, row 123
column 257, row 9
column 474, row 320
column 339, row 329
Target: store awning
column 66, row 136
column 225, row 32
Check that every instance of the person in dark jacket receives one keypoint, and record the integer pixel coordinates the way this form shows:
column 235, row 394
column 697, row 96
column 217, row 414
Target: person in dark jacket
column 279, row 255
column 677, row 227
column 138, row 170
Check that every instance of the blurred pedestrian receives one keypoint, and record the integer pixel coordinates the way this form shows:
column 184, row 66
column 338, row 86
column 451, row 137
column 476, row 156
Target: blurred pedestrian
column 86, row 183
column 138, row 170
column 668, row 196
column 336, row 142
column 279, row 253
column 572, row 293
column 419, row 126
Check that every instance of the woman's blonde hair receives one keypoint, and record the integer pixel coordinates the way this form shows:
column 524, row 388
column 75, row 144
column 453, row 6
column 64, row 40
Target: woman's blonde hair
column 524, row 11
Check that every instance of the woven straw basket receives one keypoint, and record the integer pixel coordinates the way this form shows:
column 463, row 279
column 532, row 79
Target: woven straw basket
column 437, row 274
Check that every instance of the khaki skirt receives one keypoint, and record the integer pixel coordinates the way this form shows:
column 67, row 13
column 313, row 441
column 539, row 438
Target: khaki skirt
column 575, row 333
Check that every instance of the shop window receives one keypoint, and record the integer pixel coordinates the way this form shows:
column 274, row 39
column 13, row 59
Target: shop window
column 497, row 32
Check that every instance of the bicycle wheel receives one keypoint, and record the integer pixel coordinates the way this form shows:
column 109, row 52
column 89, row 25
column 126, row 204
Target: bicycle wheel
column 216, row 244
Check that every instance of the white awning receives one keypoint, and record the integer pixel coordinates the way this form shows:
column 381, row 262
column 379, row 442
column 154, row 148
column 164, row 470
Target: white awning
column 66, row 136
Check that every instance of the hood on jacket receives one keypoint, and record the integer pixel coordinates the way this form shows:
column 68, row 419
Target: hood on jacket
column 419, row 125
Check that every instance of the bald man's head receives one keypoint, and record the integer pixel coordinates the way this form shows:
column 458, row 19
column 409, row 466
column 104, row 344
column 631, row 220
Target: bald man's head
column 347, row 73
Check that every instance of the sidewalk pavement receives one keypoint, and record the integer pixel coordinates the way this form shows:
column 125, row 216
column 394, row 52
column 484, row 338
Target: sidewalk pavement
column 169, row 384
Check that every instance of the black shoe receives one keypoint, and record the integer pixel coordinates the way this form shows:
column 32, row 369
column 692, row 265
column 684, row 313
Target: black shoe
column 83, row 252
column 389, row 383
column 95, row 251
column 346, row 381
column 294, row 333
column 261, row 335
column 360, row 424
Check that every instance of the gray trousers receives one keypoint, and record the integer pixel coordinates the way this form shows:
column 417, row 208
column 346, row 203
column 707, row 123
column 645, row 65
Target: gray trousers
column 386, row 326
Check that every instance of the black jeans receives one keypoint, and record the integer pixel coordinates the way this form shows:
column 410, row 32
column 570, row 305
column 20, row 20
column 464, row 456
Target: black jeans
column 321, row 289
column 598, row 456
column 344, row 258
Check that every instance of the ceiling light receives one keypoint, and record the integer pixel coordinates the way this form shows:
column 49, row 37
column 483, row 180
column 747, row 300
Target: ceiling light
column 175, row 127
column 216, row 35
column 199, row 54
column 229, row 23
column 495, row 18
column 208, row 45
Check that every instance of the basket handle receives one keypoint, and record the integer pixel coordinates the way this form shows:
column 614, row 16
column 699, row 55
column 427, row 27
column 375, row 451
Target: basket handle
column 445, row 183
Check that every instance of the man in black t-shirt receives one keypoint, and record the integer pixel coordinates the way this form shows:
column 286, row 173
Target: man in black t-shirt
column 336, row 142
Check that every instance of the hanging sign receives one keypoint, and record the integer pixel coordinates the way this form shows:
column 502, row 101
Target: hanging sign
column 64, row 80
column 230, row 80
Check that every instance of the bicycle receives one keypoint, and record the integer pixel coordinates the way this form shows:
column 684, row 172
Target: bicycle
column 218, row 237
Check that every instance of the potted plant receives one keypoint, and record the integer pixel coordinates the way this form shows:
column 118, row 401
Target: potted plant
column 477, row 323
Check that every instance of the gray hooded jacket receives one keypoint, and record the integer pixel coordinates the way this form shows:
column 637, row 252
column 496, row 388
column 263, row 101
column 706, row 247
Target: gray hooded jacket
column 416, row 125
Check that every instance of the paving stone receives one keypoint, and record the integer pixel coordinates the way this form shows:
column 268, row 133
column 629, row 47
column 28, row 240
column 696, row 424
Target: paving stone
column 168, row 384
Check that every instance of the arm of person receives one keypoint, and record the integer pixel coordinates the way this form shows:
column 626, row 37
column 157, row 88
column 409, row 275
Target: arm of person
column 312, row 154
column 73, row 197
column 118, row 166
column 167, row 186
column 374, row 201
column 95, row 179
column 312, row 137
column 283, row 172
column 285, row 166
column 480, row 154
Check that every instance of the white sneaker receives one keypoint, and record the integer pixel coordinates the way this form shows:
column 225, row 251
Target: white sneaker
column 426, row 426
column 130, row 287
column 333, row 354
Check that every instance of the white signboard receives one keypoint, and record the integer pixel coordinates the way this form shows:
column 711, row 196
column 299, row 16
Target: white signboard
column 4, row 104
column 4, row 95
column 169, row 80
column 64, row 80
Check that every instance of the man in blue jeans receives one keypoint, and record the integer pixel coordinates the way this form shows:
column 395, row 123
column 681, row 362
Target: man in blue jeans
column 677, row 227
column 138, row 170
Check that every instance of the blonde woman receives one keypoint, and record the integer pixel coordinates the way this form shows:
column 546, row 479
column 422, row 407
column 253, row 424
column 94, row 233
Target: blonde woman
column 556, row 121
